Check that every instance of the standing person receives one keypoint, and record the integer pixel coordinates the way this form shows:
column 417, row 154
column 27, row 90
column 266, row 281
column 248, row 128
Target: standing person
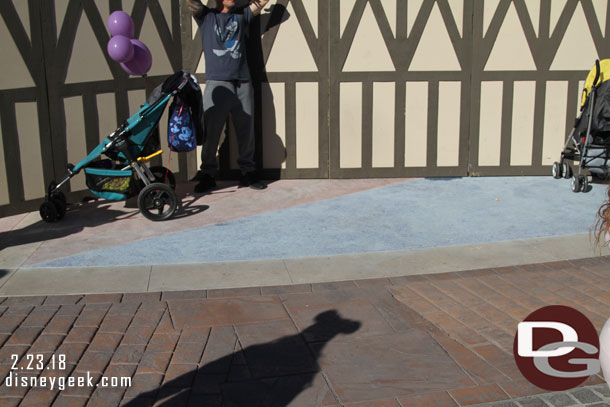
column 228, row 86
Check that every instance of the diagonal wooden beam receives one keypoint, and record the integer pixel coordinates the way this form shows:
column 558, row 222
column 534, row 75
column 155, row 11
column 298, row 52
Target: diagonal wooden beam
column 19, row 35
column 101, row 35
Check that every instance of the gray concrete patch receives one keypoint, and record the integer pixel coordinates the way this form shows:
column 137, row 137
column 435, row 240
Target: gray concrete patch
column 77, row 280
column 14, row 257
column 439, row 260
column 218, row 275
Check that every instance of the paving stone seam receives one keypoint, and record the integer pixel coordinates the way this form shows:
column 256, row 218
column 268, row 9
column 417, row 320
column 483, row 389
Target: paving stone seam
column 582, row 299
column 124, row 393
column 58, row 346
column 480, row 314
column 605, row 295
column 547, row 397
column 312, row 354
column 464, row 370
column 485, row 300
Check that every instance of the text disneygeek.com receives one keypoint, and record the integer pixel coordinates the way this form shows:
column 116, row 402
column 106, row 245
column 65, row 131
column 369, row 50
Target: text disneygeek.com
column 22, row 369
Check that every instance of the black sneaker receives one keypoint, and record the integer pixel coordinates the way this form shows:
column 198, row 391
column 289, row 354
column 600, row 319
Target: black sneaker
column 206, row 183
column 251, row 180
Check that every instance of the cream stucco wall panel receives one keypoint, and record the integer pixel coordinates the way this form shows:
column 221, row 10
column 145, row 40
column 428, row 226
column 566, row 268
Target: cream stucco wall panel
column 533, row 8
column 511, row 51
column 128, row 5
column 61, row 6
column 4, row 198
column 384, row 96
column 577, row 50
column 448, row 124
column 104, row 9
column 457, row 8
column 87, row 62
column 150, row 37
column 554, row 121
column 413, row 8
column 194, row 29
column 75, row 138
column 389, row 7
column 274, row 125
column 522, row 137
column 311, row 7
column 489, row 9
column 290, row 52
column 601, row 10
column 201, row 65
column 15, row 74
column 416, row 124
column 106, row 113
column 490, row 126
column 435, row 51
column 345, row 11
column 557, row 7
column 350, row 138
column 23, row 9
column 29, row 150
column 199, row 149
column 307, row 125
column 166, row 6
column 368, row 51
column 136, row 99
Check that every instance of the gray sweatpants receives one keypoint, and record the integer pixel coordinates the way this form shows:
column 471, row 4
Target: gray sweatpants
column 219, row 99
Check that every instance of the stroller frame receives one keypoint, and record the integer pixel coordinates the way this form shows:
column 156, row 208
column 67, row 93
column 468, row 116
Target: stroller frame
column 583, row 151
column 153, row 197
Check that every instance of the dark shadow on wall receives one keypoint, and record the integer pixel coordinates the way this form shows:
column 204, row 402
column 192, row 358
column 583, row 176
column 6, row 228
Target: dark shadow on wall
column 270, row 149
column 272, row 374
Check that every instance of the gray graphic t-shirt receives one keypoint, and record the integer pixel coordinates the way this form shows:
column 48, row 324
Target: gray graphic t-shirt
column 223, row 36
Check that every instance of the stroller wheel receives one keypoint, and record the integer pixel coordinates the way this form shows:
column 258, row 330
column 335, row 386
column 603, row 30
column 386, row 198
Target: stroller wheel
column 566, row 171
column 157, row 202
column 164, row 176
column 576, row 184
column 60, row 207
column 584, row 183
column 556, row 170
column 48, row 212
column 59, row 196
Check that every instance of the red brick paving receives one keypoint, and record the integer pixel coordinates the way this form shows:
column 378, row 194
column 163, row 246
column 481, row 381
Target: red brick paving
column 442, row 340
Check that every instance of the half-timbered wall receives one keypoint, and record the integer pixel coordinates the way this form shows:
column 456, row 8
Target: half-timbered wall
column 344, row 88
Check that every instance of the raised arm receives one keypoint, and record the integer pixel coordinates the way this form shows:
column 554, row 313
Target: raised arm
column 257, row 6
column 195, row 7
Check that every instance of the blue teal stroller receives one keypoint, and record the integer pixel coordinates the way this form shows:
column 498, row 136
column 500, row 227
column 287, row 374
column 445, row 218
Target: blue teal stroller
column 124, row 173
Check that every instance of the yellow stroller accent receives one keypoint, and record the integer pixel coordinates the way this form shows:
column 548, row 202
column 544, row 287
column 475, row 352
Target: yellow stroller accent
column 589, row 141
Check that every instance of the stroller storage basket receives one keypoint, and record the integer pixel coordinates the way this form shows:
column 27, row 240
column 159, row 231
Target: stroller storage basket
column 114, row 185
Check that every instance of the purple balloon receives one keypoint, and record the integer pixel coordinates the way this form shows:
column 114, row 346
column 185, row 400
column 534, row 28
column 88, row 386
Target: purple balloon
column 119, row 23
column 141, row 62
column 120, row 48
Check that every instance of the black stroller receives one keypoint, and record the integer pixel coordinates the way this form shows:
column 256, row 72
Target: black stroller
column 589, row 141
column 124, row 173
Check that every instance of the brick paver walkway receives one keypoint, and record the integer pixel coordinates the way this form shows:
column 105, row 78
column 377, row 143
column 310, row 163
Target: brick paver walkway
column 434, row 340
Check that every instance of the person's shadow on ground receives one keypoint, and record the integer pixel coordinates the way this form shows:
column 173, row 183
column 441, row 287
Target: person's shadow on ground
column 267, row 375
